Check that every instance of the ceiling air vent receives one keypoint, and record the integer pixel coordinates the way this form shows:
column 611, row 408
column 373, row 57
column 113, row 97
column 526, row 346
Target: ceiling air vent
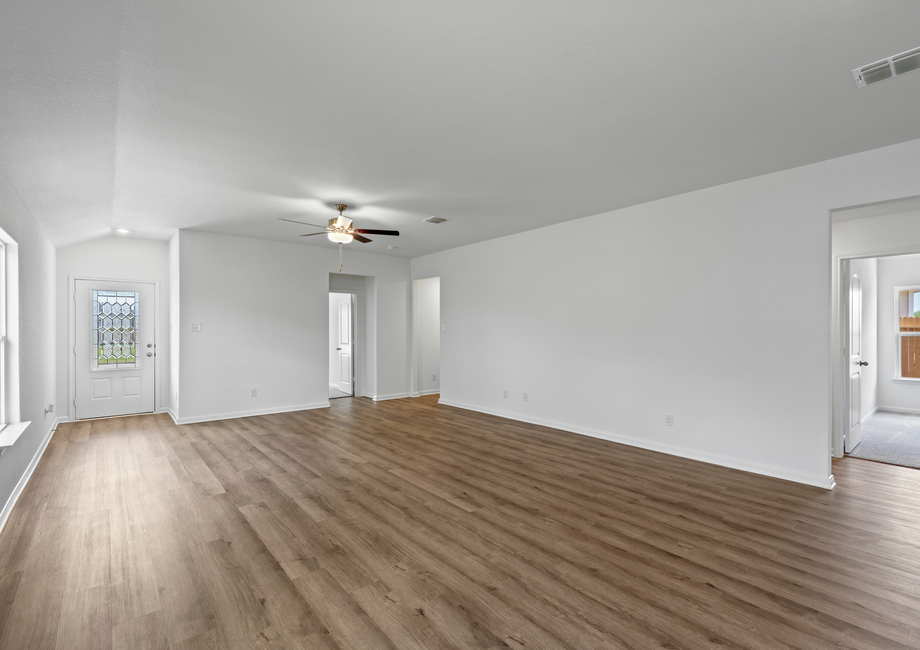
column 434, row 220
column 887, row 68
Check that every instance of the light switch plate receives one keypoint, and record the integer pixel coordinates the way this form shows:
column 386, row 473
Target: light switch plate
column 196, row 327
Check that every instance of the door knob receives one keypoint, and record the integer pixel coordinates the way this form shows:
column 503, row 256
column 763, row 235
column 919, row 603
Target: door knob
column 338, row 348
column 150, row 345
column 864, row 363
column 150, row 354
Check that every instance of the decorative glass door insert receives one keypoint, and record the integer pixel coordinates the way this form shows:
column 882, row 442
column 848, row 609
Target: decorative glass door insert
column 115, row 329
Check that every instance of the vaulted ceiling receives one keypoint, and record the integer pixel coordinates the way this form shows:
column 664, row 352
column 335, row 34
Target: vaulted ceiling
column 499, row 116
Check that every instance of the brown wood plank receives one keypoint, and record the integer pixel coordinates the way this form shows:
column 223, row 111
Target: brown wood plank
column 406, row 524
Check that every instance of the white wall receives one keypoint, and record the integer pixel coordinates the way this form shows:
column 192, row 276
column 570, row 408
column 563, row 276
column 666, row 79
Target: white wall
column 894, row 394
column 35, row 350
column 263, row 307
column 867, row 270
column 428, row 334
column 175, row 335
column 114, row 258
column 741, row 355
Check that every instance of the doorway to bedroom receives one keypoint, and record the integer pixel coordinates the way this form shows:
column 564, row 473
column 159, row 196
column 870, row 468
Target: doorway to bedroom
column 341, row 345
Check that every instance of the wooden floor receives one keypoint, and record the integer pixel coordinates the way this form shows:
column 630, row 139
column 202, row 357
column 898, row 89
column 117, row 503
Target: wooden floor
column 405, row 524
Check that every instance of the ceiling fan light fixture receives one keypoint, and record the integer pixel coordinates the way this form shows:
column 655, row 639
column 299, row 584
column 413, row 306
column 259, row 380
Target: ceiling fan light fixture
column 340, row 237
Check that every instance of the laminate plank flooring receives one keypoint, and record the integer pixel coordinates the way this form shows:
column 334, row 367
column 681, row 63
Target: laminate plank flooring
column 409, row 525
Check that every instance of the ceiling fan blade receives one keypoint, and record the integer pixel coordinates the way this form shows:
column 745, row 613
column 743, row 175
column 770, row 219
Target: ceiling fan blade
column 362, row 239
column 310, row 234
column 302, row 223
column 371, row 231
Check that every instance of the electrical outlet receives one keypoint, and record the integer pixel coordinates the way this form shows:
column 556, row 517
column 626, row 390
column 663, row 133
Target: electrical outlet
column 525, row 397
column 505, row 393
column 253, row 392
column 668, row 420
column 434, row 377
column 196, row 327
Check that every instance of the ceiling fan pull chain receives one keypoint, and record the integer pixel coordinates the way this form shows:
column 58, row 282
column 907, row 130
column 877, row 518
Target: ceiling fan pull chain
column 340, row 258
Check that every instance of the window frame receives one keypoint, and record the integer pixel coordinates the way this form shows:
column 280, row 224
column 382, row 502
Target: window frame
column 899, row 335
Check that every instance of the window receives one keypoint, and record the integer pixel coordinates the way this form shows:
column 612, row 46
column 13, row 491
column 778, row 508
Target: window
column 115, row 329
column 908, row 330
column 11, row 427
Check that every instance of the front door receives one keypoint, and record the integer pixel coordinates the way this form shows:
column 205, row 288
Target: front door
column 345, row 344
column 114, row 348
column 854, row 428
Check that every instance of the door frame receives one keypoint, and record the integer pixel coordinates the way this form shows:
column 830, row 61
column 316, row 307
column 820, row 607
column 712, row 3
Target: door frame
column 357, row 383
column 846, row 317
column 72, row 339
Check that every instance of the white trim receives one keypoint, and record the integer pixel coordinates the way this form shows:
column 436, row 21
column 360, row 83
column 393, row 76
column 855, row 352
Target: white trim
column 72, row 340
column 898, row 409
column 826, row 482
column 873, row 412
column 248, row 414
column 436, row 391
column 9, row 434
column 24, row 479
column 906, row 380
column 381, row 398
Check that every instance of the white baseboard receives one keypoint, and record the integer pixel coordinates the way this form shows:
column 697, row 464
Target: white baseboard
column 898, row 409
column 380, row 398
column 874, row 411
column 826, row 482
column 436, row 391
column 248, row 414
column 24, row 480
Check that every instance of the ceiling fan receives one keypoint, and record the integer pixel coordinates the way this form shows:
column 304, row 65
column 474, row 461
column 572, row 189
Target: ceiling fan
column 340, row 229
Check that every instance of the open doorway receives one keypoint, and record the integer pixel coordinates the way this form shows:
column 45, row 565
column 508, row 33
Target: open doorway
column 876, row 279
column 428, row 335
column 884, row 416
column 341, row 345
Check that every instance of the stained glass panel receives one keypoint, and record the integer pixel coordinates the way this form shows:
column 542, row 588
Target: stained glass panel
column 115, row 329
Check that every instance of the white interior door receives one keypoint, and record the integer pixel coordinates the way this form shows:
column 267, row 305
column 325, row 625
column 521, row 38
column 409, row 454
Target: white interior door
column 854, row 351
column 345, row 345
column 114, row 350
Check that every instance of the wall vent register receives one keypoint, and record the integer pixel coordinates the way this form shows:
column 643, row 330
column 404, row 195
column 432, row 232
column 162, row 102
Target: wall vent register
column 887, row 68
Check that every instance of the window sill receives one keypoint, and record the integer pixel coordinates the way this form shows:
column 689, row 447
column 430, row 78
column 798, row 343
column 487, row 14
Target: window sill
column 906, row 380
column 10, row 434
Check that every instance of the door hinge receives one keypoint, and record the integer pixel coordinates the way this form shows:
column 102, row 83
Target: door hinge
column 75, row 350
column 75, row 402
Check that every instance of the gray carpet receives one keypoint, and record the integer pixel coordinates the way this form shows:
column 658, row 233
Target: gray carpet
column 890, row 438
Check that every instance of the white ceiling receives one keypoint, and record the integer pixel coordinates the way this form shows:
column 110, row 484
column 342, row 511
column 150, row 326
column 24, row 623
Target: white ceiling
column 224, row 115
